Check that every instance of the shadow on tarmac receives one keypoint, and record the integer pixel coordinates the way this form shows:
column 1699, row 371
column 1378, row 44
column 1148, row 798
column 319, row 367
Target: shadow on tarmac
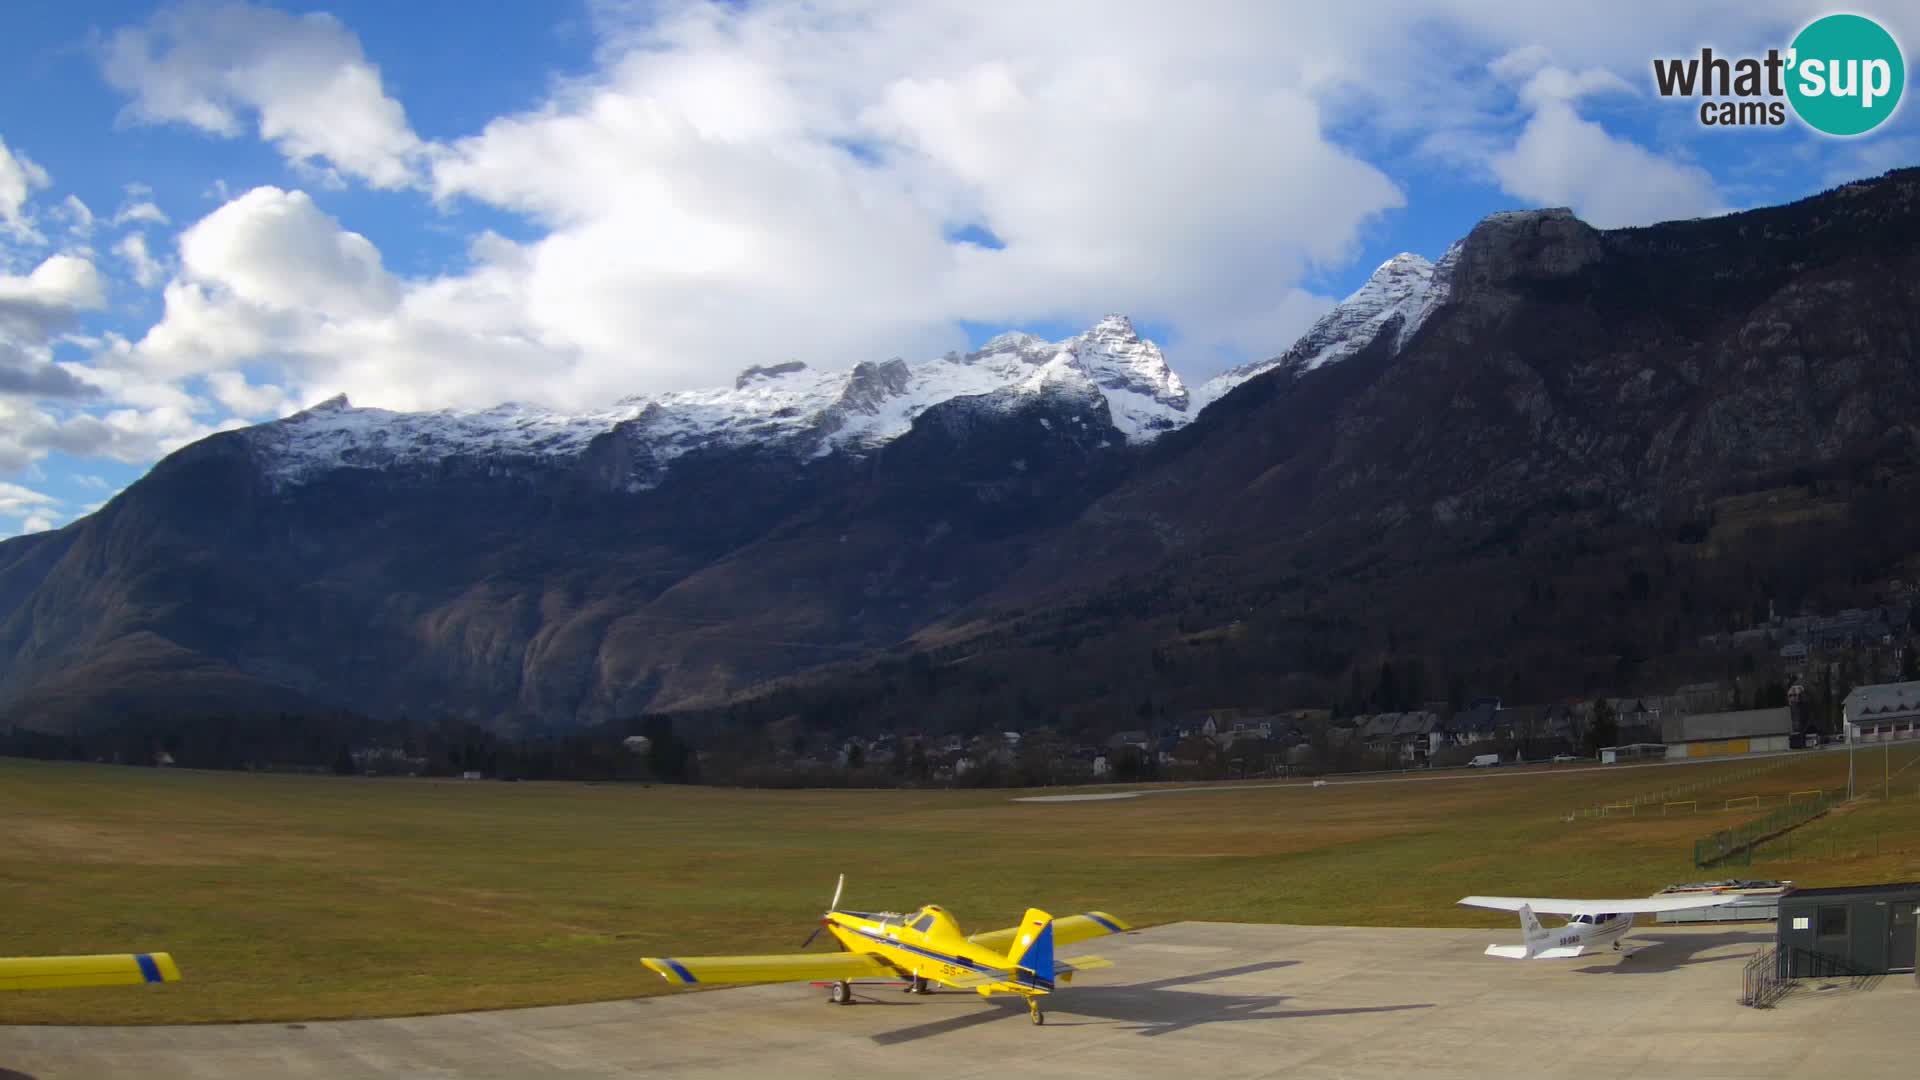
column 1150, row 1008
column 1657, row 953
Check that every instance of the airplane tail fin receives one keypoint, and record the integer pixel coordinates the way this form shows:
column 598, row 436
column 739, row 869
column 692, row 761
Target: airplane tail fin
column 1533, row 936
column 1033, row 946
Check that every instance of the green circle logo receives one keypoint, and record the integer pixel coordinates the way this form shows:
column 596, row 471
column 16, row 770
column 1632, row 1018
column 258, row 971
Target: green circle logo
column 1846, row 74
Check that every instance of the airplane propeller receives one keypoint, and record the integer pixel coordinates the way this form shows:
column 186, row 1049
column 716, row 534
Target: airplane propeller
column 832, row 906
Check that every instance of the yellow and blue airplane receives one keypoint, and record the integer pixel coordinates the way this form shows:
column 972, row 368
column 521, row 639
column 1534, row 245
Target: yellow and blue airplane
column 67, row 972
column 924, row 948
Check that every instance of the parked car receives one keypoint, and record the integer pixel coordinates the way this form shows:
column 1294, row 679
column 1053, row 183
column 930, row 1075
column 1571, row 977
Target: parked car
column 1558, row 758
column 1483, row 761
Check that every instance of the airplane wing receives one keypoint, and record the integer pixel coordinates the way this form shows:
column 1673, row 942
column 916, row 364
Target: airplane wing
column 1066, row 931
column 1642, row 906
column 793, row 967
column 64, row 972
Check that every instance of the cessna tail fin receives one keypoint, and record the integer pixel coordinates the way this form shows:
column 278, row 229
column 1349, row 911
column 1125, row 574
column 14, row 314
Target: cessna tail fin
column 1533, row 938
column 1530, row 927
column 1033, row 946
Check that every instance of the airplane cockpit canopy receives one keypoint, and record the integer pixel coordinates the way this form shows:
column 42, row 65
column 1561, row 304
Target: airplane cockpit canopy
column 924, row 919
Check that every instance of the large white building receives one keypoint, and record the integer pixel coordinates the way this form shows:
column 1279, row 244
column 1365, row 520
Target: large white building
column 1882, row 713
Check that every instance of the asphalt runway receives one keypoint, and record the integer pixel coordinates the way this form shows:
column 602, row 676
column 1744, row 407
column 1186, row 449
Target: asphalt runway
column 1188, row 1000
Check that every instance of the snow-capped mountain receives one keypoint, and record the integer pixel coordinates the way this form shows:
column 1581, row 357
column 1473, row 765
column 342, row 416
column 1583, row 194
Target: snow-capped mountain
column 813, row 411
column 1406, row 287
column 1427, row 441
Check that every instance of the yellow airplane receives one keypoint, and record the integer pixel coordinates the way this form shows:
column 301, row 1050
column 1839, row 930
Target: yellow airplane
column 66, row 972
column 924, row 948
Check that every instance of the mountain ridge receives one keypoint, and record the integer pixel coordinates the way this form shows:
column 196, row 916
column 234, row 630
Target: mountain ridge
column 1447, row 467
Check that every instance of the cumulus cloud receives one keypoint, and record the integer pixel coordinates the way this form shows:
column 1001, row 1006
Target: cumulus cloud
column 146, row 269
column 1563, row 158
column 243, row 398
column 132, row 436
column 302, row 80
column 33, row 307
column 739, row 184
column 736, row 184
column 19, row 179
column 19, row 502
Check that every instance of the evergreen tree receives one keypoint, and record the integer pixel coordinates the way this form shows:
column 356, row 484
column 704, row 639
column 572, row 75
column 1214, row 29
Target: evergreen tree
column 1604, row 729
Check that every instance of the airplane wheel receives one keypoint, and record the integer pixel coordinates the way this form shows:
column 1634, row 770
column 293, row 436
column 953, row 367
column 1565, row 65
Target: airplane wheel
column 842, row 993
column 1039, row 1017
column 918, row 986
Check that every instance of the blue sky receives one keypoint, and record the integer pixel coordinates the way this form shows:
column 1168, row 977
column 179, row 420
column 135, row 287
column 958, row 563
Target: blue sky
column 434, row 204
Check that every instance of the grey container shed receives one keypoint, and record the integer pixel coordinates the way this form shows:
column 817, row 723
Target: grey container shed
column 1850, row 930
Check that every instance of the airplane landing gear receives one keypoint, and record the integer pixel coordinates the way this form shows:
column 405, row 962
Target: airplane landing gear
column 842, row 993
column 918, row 986
column 1033, row 1009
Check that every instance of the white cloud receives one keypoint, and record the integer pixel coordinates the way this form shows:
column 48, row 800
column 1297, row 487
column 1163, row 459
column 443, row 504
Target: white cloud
column 147, row 270
column 34, row 306
column 130, row 436
column 19, row 179
column 243, row 398
column 140, row 213
column 738, row 184
column 734, row 185
column 16, row 500
column 276, row 250
column 704, row 210
column 1561, row 158
column 33, row 309
column 302, row 79
column 31, row 511
column 76, row 215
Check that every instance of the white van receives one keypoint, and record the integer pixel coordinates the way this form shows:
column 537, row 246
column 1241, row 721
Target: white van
column 1484, row 761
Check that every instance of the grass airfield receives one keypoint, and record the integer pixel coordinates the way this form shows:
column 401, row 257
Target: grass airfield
column 308, row 898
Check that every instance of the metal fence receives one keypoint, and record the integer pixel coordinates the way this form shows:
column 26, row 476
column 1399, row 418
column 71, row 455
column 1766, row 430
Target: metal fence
column 1764, row 981
column 1770, row 974
column 1736, row 845
column 1635, row 806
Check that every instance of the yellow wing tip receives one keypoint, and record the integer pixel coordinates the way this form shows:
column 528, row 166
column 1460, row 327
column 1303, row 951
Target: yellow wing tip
column 103, row 969
column 669, row 969
column 169, row 971
column 1114, row 921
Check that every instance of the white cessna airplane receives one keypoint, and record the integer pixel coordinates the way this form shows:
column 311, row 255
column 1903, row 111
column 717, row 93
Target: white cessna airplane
column 1590, row 923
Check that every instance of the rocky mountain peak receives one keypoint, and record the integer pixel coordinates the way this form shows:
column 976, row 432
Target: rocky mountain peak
column 1526, row 245
column 1398, row 297
column 338, row 403
column 758, row 373
column 872, row 384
